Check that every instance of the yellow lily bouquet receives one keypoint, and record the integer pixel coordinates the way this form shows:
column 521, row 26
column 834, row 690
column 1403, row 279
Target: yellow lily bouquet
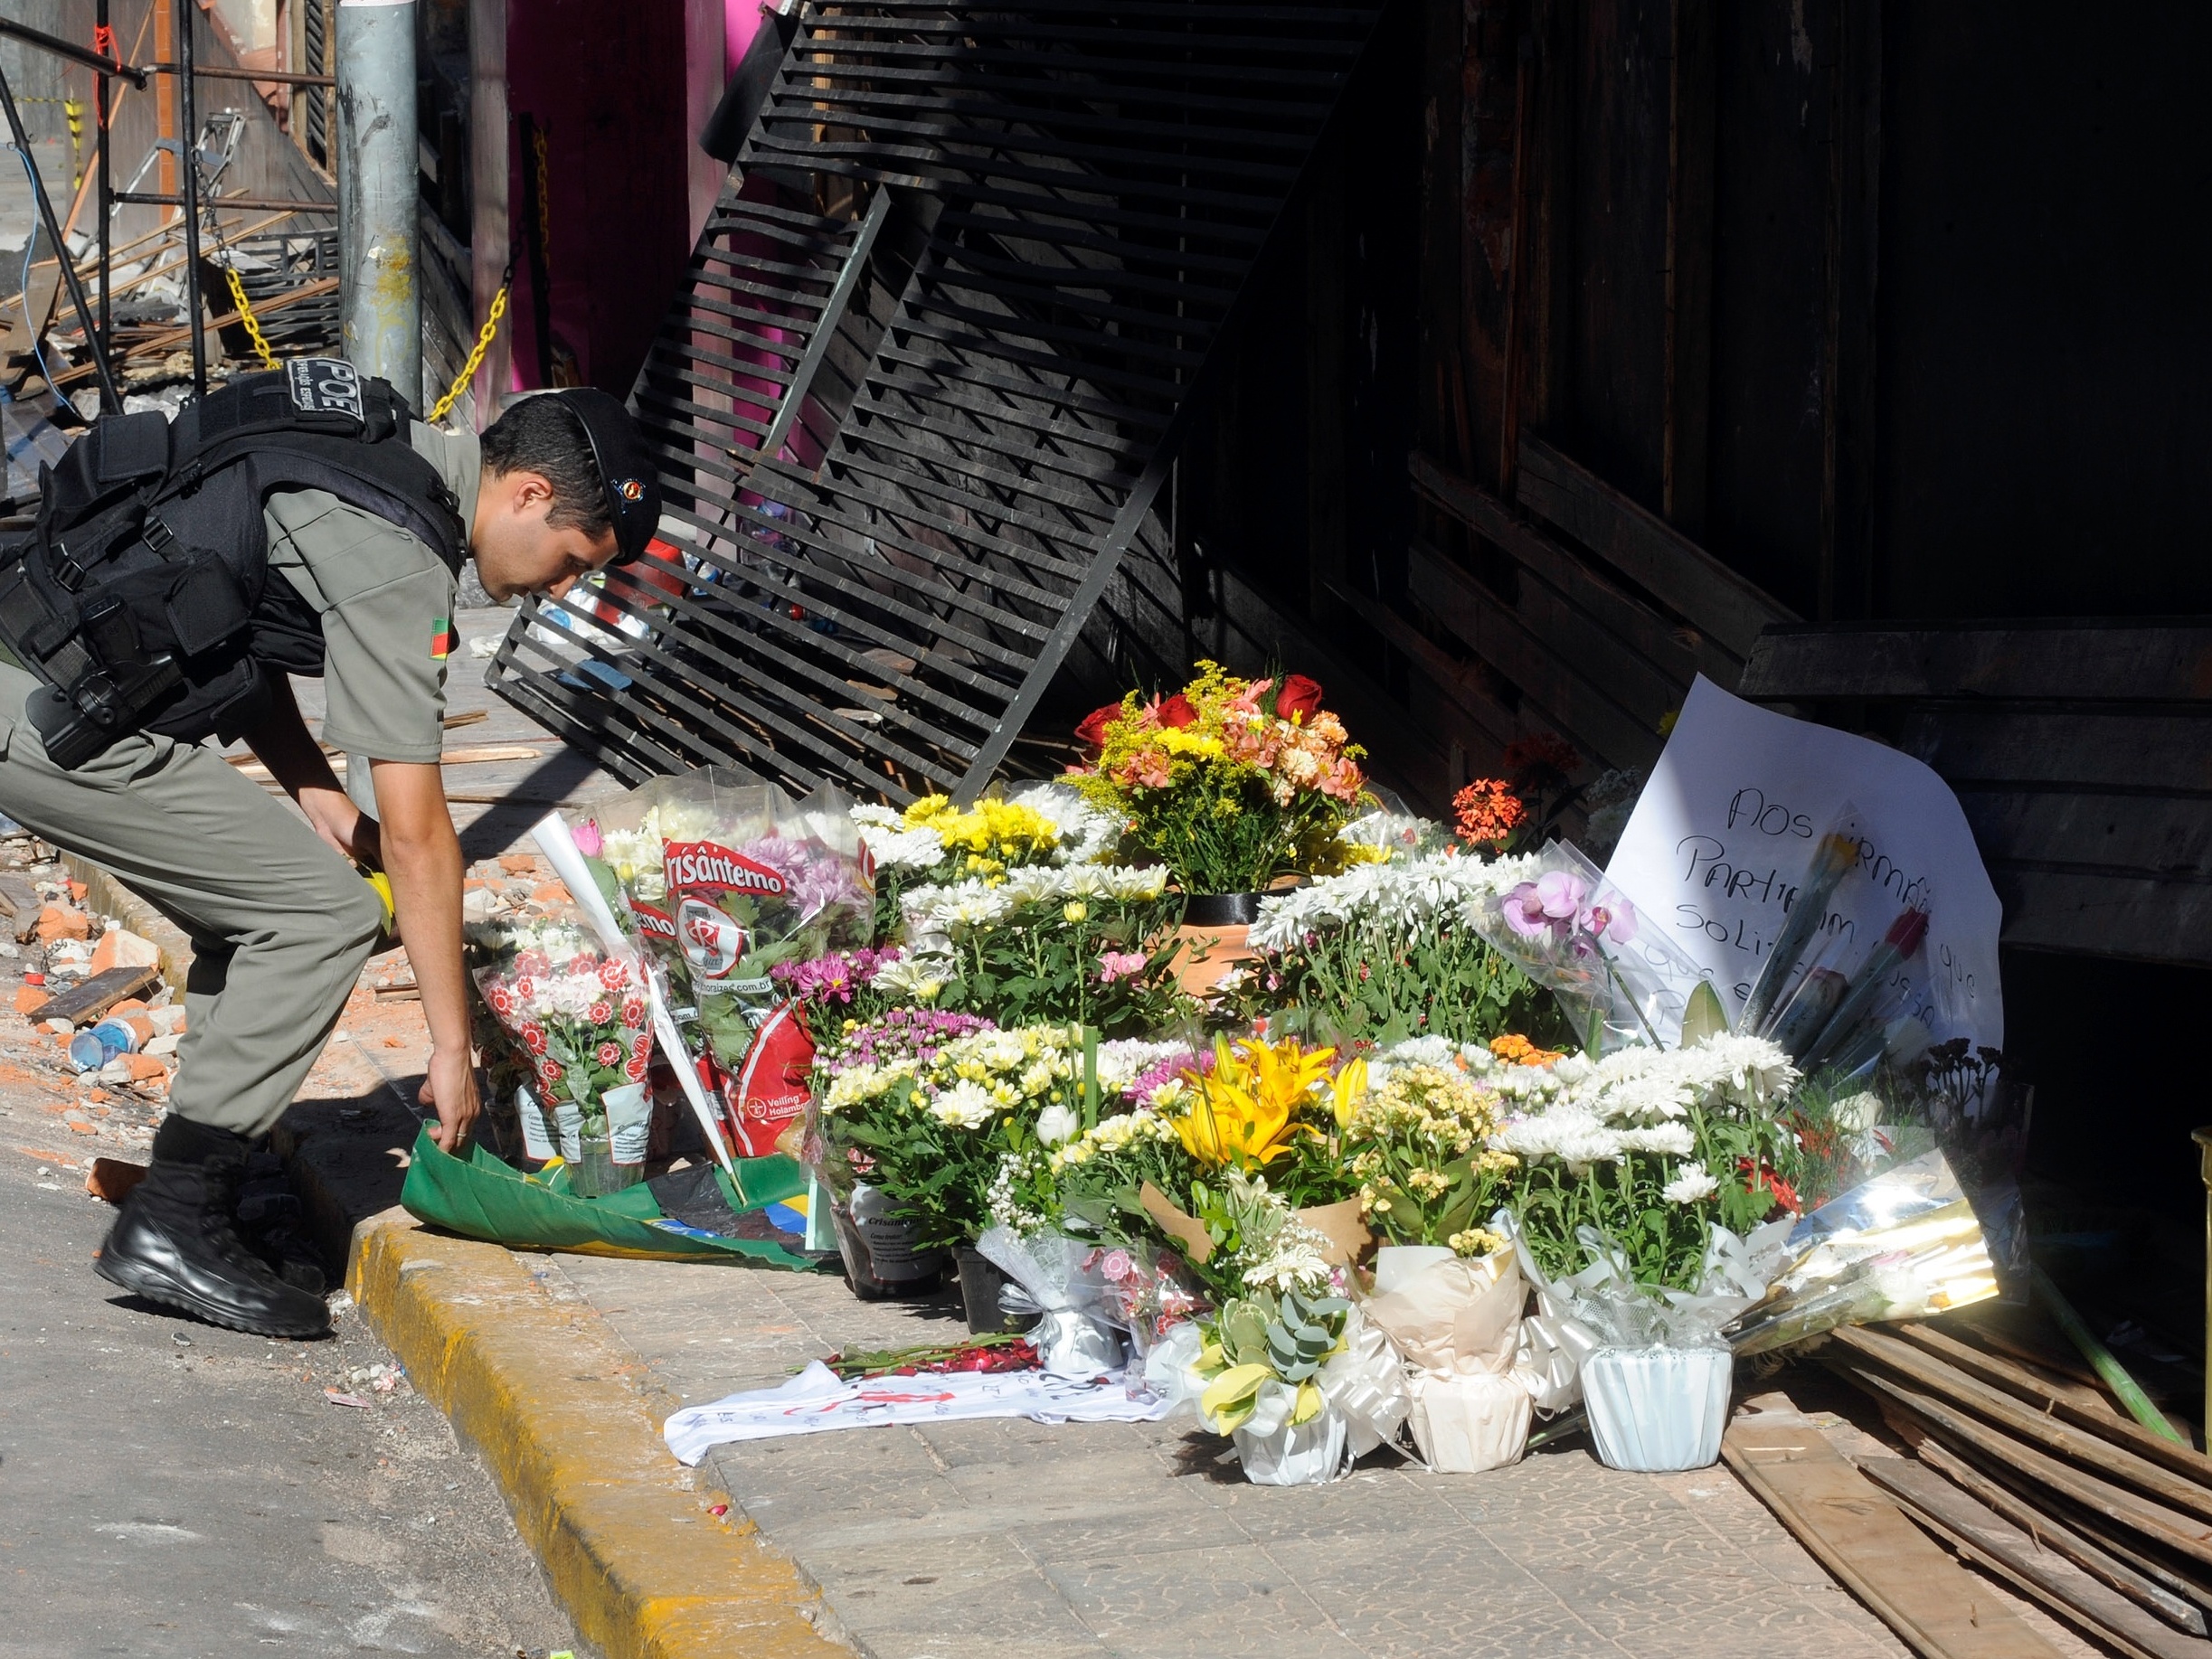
column 1285, row 1366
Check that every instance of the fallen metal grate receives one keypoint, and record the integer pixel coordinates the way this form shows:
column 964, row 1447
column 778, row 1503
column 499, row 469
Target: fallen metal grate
column 906, row 442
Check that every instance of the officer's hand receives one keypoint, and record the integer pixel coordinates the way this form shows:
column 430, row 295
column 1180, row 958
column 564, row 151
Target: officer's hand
column 451, row 1088
column 344, row 827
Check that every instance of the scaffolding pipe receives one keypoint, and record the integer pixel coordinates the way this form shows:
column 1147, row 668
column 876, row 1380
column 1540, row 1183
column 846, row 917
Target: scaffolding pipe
column 380, row 315
column 188, row 183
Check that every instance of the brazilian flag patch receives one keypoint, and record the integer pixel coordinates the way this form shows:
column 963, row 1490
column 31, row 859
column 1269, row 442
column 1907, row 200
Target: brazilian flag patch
column 441, row 639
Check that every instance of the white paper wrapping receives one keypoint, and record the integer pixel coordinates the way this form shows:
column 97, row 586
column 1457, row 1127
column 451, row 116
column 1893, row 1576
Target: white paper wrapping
column 1657, row 1409
column 816, row 1399
column 1303, row 1456
column 1364, row 1403
column 1458, row 1323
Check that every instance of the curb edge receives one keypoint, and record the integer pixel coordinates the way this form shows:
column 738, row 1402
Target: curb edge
column 621, row 1530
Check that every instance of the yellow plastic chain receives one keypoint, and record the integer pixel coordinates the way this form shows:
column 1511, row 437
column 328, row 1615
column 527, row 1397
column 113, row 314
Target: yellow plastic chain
column 245, row 315
column 476, row 353
column 499, row 301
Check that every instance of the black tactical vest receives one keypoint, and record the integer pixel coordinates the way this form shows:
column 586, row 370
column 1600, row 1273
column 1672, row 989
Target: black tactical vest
column 143, row 597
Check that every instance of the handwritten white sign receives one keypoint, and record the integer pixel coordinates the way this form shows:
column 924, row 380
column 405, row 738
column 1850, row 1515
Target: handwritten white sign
column 1726, row 830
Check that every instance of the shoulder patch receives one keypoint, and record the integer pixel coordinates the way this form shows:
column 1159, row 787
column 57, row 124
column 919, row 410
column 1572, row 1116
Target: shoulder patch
column 325, row 385
column 441, row 639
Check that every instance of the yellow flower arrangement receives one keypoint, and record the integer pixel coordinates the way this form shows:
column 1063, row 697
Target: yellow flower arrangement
column 1420, row 1151
column 996, row 836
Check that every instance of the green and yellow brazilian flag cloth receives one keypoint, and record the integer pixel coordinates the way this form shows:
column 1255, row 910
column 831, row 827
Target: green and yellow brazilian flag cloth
column 479, row 1197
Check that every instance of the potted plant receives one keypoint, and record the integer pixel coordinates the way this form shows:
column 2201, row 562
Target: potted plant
column 1639, row 1186
column 1447, row 1291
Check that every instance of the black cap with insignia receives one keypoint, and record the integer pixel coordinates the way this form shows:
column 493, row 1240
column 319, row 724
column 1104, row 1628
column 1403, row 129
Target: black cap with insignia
column 633, row 487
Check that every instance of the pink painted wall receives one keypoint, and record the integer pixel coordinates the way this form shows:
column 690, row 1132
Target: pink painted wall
column 617, row 83
column 740, row 21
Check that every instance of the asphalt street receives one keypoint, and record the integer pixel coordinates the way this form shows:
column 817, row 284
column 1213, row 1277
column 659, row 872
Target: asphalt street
column 171, row 1489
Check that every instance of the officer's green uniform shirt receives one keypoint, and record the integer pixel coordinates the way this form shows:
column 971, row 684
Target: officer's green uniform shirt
column 386, row 601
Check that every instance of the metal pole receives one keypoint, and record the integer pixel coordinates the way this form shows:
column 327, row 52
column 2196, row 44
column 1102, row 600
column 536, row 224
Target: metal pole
column 380, row 315
column 110, row 400
column 2203, row 1137
column 107, row 200
column 188, row 185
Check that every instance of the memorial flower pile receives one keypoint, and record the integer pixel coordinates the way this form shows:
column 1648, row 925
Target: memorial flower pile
column 1315, row 1199
column 1228, row 782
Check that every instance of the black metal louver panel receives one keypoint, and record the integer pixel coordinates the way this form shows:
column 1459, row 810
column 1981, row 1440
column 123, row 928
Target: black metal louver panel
column 907, row 440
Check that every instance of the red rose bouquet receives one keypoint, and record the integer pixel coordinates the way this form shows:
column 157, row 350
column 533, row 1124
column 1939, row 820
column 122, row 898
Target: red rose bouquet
column 1228, row 782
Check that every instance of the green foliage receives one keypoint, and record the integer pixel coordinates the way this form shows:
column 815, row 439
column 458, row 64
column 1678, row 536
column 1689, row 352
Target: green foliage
column 1662, row 1242
column 1704, row 1016
column 1221, row 831
column 1043, row 963
column 1378, row 982
column 940, row 1172
column 1290, row 1334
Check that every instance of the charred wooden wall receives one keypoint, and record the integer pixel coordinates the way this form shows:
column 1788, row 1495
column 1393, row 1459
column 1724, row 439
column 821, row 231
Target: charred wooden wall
column 1888, row 308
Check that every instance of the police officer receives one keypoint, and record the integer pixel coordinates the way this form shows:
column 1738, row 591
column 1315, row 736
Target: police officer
column 279, row 918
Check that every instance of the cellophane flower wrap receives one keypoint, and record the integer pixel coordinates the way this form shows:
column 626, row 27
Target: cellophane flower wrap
column 1904, row 1244
column 574, row 1019
column 727, row 882
column 1567, row 927
column 1229, row 782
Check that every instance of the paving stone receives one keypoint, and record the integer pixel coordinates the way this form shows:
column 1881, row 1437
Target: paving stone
column 1022, row 1541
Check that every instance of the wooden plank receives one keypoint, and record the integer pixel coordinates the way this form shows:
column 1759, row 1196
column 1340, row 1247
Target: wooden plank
column 1940, row 1609
column 1461, row 684
column 2120, row 748
column 1988, row 1539
column 2050, row 662
column 2138, row 918
column 1398, row 740
column 1598, row 726
column 2153, row 1521
column 1561, row 630
column 99, row 994
column 2084, row 1408
column 18, row 897
column 1646, row 548
column 2047, row 1530
column 1692, row 69
column 1675, row 651
column 2120, row 1541
column 2111, row 834
column 1325, row 387
column 2184, row 1489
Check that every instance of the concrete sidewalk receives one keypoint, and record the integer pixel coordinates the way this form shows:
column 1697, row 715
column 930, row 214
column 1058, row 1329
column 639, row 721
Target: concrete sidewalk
column 1003, row 1539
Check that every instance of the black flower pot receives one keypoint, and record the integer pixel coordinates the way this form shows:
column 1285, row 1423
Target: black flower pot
column 882, row 1252
column 1221, row 909
column 981, row 1283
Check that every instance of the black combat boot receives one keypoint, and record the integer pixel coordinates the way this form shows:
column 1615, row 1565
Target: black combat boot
column 175, row 1242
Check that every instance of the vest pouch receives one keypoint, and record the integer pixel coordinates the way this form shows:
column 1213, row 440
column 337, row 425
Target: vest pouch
column 205, row 605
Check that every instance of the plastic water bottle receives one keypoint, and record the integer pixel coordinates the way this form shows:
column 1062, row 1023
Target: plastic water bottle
column 89, row 1050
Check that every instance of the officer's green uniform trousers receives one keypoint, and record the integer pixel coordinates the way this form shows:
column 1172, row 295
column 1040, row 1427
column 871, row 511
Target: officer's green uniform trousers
column 281, row 924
